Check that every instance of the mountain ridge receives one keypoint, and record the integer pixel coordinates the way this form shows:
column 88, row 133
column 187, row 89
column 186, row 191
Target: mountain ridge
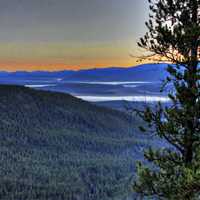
column 144, row 72
column 55, row 146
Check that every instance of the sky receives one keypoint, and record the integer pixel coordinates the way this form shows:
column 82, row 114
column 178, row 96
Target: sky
column 70, row 34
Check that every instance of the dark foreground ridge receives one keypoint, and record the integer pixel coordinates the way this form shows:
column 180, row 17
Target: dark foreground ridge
column 55, row 146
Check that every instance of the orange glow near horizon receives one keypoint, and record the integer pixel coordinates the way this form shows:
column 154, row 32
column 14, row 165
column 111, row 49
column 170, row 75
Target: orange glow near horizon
column 58, row 56
column 11, row 67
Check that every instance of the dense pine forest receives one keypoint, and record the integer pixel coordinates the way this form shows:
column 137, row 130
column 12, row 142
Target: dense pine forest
column 55, row 146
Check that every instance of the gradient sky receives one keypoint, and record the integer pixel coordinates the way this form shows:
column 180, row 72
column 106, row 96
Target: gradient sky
column 73, row 34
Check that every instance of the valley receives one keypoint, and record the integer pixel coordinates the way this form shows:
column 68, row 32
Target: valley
column 99, row 85
column 55, row 145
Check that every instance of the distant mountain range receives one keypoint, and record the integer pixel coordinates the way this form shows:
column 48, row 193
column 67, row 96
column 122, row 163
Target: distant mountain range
column 36, row 74
column 145, row 72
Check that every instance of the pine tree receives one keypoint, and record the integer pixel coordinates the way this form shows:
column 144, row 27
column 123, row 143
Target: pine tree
column 173, row 171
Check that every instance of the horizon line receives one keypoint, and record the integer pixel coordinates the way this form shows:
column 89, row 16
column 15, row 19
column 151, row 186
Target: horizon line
column 85, row 68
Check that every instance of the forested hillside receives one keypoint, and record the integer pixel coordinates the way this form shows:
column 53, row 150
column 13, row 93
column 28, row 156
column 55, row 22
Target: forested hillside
column 54, row 146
